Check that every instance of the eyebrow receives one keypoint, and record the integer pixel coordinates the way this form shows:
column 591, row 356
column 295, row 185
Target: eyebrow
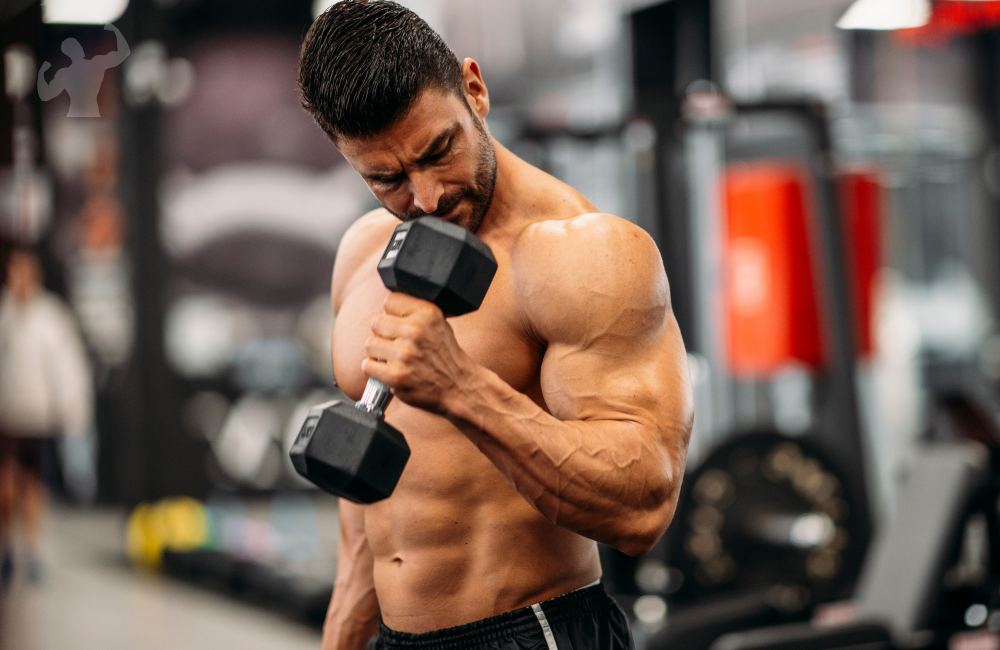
column 431, row 149
column 429, row 152
column 383, row 176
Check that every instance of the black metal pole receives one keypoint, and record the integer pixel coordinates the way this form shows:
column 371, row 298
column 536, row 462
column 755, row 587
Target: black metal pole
column 152, row 457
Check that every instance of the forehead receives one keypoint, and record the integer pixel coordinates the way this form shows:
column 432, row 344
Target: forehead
column 432, row 113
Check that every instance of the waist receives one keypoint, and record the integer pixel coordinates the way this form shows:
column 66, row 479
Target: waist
column 586, row 602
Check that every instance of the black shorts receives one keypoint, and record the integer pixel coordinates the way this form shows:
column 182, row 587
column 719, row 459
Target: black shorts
column 586, row 619
column 26, row 452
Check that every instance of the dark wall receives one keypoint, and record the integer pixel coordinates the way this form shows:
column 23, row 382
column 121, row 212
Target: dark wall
column 671, row 48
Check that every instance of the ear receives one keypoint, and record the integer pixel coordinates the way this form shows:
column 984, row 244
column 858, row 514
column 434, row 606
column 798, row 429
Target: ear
column 475, row 89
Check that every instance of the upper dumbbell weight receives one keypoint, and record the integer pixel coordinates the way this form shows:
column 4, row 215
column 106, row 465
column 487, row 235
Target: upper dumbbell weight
column 349, row 450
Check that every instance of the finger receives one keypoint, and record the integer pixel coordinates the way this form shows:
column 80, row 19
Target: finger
column 378, row 371
column 378, row 348
column 391, row 327
column 401, row 304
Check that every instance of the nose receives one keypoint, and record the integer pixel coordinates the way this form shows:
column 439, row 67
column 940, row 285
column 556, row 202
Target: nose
column 427, row 192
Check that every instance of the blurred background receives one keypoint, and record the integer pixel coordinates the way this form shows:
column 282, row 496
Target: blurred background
column 822, row 178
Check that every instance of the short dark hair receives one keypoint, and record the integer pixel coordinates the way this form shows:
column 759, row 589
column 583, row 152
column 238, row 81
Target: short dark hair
column 364, row 62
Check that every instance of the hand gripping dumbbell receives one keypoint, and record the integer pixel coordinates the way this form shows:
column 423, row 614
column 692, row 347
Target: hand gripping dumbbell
column 348, row 449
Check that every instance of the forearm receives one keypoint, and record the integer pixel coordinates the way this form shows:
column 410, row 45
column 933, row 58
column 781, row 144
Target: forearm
column 612, row 480
column 353, row 615
column 45, row 90
column 120, row 43
column 352, row 618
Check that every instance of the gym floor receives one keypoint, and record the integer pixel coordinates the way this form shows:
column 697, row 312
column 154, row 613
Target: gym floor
column 93, row 600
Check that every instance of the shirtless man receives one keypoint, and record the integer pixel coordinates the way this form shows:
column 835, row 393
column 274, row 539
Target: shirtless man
column 554, row 417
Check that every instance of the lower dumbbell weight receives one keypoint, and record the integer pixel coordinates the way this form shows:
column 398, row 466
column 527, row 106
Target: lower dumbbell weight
column 348, row 449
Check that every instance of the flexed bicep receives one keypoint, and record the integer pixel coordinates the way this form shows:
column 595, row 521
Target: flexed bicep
column 121, row 52
column 49, row 90
column 607, row 459
column 613, row 347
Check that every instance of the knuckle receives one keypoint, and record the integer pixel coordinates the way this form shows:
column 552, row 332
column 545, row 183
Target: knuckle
column 397, row 376
column 414, row 332
column 408, row 352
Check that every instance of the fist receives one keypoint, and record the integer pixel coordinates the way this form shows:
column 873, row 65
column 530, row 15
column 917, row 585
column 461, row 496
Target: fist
column 413, row 350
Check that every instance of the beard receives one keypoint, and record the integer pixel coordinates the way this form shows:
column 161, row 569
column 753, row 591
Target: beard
column 480, row 194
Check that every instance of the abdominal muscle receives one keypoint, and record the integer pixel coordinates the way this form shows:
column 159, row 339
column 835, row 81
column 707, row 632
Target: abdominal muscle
column 456, row 543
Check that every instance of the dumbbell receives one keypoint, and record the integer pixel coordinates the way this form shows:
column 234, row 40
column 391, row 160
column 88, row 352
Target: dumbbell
column 348, row 449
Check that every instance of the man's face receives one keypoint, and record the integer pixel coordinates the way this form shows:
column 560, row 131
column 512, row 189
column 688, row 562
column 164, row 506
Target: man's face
column 438, row 160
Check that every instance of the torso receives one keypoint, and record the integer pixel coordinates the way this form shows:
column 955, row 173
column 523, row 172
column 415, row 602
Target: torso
column 30, row 334
column 455, row 542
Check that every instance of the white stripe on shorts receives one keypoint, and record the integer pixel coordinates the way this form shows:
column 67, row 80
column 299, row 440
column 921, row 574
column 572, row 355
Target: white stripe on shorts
column 550, row 640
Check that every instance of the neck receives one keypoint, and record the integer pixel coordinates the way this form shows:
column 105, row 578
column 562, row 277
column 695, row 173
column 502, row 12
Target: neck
column 524, row 194
column 512, row 194
column 23, row 297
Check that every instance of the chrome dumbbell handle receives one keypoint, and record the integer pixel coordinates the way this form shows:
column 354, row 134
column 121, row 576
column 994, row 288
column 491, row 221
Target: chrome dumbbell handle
column 375, row 398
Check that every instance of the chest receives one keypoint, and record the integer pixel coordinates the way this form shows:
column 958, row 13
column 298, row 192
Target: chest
column 494, row 335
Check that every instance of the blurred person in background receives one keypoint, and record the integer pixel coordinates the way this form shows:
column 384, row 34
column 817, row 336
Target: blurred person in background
column 45, row 391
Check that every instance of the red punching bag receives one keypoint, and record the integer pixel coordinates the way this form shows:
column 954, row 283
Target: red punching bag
column 770, row 296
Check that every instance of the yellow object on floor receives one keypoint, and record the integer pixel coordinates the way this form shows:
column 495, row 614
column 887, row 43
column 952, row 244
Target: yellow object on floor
column 175, row 524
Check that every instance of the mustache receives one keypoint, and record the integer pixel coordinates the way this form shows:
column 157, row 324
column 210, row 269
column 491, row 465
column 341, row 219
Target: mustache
column 445, row 205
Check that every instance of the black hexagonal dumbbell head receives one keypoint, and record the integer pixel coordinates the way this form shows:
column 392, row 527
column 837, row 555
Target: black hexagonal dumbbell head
column 349, row 452
column 439, row 262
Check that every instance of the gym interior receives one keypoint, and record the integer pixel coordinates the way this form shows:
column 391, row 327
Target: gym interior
column 822, row 179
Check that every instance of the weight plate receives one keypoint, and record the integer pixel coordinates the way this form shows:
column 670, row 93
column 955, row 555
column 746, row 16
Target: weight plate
column 762, row 510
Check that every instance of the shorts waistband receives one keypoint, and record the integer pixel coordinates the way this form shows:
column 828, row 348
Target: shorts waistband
column 588, row 601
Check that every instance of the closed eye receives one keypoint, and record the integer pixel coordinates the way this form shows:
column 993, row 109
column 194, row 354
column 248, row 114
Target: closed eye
column 439, row 148
column 436, row 157
column 386, row 182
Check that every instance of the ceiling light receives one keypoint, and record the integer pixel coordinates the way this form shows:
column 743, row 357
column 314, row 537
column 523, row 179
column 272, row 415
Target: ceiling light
column 95, row 12
column 886, row 14
column 319, row 6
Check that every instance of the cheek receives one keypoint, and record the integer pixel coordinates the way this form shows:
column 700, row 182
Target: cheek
column 460, row 173
column 397, row 200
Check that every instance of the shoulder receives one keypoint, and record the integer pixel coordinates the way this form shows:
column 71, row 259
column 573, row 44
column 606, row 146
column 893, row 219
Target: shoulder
column 53, row 310
column 46, row 317
column 587, row 248
column 587, row 229
column 594, row 272
column 365, row 237
column 368, row 233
